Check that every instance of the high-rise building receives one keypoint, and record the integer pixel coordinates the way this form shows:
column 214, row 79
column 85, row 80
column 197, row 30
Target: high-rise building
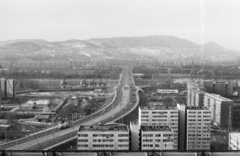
column 111, row 136
column 221, row 110
column 156, row 138
column 223, row 88
column 234, row 141
column 198, row 122
column 195, row 94
column 182, row 126
column 195, row 97
column 135, row 135
column 160, row 116
column 147, row 137
column 7, row 88
column 194, row 128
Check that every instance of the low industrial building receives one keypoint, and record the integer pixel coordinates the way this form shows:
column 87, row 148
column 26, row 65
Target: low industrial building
column 42, row 118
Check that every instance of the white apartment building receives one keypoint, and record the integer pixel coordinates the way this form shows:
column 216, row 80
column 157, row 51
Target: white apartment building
column 223, row 88
column 234, row 141
column 198, row 122
column 156, row 138
column 111, row 136
column 221, row 110
column 160, row 116
column 195, row 94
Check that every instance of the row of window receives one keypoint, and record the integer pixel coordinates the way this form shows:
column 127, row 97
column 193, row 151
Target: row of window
column 194, row 112
column 102, row 145
column 156, row 145
column 158, row 135
column 103, row 135
column 198, row 147
column 102, row 140
column 205, row 139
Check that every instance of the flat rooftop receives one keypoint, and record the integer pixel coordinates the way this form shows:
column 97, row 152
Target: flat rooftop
column 158, row 107
column 218, row 97
column 197, row 108
column 155, row 128
column 197, row 90
column 106, row 127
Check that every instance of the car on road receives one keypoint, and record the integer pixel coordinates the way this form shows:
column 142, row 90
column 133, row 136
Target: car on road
column 113, row 116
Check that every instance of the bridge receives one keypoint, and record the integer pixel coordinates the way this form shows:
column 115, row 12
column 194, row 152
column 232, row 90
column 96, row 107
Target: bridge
column 124, row 102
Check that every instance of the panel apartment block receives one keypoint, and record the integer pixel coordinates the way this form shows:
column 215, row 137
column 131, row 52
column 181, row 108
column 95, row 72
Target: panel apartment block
column 156, row 138
column 160, row 116
column 223, row 88
column 198, row 121
column 234, row 141
column 221, row 110
column 111, row 136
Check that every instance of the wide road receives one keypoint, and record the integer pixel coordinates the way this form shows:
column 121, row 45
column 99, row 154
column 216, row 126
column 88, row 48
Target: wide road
column 117, row 108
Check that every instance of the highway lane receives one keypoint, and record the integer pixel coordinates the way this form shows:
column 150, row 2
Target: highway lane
column 46, row 140
column 72, row 131
column 45, row 137
column 55, row 129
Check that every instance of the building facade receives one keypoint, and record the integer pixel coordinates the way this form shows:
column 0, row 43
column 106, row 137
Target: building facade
column 221, row 110
column 234, row 141
column 198, row 122
column 195, row 97
column 160, row 116
column 156, row 138
column 110, row 136
column 223, row 88
column 195, row 94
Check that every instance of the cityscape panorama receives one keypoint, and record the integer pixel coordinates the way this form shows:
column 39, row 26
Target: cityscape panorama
column 119, row 78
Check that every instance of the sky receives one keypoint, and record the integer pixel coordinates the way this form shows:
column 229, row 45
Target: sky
column 199, row 21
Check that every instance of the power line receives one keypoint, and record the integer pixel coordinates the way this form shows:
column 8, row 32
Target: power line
column 21, row 108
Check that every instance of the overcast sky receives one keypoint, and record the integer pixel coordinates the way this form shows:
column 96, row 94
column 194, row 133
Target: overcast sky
column 200, row 21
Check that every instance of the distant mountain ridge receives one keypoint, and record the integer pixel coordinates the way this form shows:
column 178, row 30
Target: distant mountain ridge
column 128, row 42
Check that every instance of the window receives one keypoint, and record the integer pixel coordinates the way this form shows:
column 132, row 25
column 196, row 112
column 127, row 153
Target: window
column 122, row 135
column 83, row 145
column 122, row 140
column 147, row 135
column 167, row 135
column 83, row 135
column 123, row 145
column 103, row 135
column 147, row 140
